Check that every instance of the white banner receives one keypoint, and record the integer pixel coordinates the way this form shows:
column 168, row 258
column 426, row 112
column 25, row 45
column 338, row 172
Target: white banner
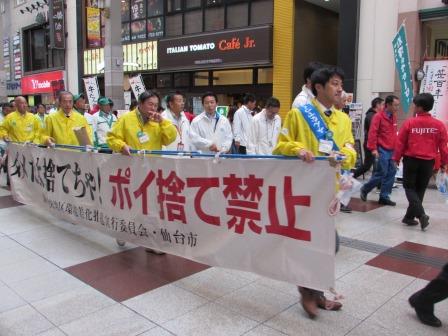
column 436, row 83
column 137, row 85
column 266, row 216
column 92, row 89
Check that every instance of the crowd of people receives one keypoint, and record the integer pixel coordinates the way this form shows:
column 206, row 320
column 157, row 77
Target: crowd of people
column 316, row 125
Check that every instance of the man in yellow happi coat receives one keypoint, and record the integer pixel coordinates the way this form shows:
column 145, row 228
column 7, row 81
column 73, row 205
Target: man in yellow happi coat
column 20, row 125
column 316, row 129
column 142, row 128
column 60, row 126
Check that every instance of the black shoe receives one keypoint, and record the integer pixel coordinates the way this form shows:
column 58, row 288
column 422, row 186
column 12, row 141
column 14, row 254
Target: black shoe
column 409, row 221
column 363, row 195
column 426, row 316
column 386, row 201
column 424, row 222
column 345, row 208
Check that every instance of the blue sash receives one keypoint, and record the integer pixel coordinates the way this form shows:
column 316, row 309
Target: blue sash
column 317, row 124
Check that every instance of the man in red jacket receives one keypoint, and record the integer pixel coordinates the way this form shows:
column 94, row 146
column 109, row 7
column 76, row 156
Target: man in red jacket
column 381, row 141
column 419, row 141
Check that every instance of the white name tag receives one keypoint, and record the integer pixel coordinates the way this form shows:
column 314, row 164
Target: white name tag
column 143, row 137
column 325, row 146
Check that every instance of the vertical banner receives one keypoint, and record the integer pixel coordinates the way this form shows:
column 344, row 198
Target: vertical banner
column 137, row 85
column 93, row 27
column 92, row 89
column 436, row 83
column 403, row 66
column 57, row 24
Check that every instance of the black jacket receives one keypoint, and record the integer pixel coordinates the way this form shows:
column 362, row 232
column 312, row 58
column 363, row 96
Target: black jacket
column 368, row 119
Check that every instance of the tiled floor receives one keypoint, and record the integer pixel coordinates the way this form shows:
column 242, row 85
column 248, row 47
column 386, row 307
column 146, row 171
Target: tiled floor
column 61, row 279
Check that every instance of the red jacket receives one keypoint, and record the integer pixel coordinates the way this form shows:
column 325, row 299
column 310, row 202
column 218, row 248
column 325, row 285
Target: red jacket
column 422, row 137
column 383, row 132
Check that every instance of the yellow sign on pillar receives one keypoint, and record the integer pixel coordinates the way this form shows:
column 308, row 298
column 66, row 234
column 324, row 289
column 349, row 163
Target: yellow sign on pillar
column 283, row 53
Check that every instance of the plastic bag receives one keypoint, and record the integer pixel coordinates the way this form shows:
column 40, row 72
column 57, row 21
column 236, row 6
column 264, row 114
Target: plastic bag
column 348, row 186
column 442, row 184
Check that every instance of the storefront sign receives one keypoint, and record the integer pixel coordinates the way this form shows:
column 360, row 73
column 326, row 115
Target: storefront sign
column 48, row 82
column 93, row 27
column 266, row 217
column 137, row 57
column 13, row 85
column 6, row 59
column 251, row 46
column 17, row 54
column 57, row 24
column 92, row 89
column 403, row 67
column 436, row 83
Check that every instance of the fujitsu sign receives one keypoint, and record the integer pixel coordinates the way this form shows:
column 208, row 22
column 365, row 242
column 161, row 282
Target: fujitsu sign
column 48, row 82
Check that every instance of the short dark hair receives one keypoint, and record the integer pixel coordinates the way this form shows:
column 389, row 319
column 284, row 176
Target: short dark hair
column 249, row 98
column 209, row 94
column 63, row 93
column 133, row 105
column 40, row 104
column 310, row 68
column 146, row 95
column 272, row 102
column 376, row 101
column 171, row 95
column 390, row 99
column 425, row 101
column 7, row 104
column 322, row 76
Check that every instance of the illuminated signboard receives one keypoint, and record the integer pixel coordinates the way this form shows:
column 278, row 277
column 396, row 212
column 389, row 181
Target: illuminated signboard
column 250, row 46
column 137, row 57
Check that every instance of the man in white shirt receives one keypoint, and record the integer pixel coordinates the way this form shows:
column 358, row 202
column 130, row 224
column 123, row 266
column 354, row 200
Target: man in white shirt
column 242, row 122
column 103, row 121
column 211, row 132
column 174, row 112
column 265, row 129
column 306, row 95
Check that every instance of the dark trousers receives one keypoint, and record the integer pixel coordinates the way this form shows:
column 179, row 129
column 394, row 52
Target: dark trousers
column 416, row 176
column 435, row 291
column 242, row 150
column 369, row 159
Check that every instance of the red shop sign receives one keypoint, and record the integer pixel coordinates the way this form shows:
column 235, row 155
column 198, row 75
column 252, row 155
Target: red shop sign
column 48, row 82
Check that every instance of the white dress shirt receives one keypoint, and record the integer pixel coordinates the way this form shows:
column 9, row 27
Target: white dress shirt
column 183, row 131
column 206, row 131
column 242, row 121
column 264, row 134
column 303, row 98
column 102, row 123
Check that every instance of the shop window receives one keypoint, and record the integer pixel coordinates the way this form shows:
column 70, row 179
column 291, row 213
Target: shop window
column 173, row 25
column 125, row 10
column 213, row 2
column 174, row 5
column 138, row 30
column 164, row 81
column 138, row 10
column 232, row 77
column 261, row 12
column 193, row 22
column 181, row 79
column 155, row 27
column 265, row 76
column 201, row 78
column 192, row 4
column 155, row 8
column 214, row 18
column 36, row 54
column 237, row 15
column 125, row 32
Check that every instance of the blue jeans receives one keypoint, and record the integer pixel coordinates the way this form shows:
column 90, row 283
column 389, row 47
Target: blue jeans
column 384, row 172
